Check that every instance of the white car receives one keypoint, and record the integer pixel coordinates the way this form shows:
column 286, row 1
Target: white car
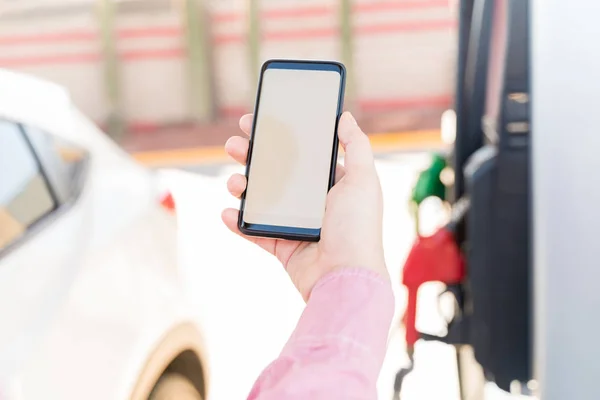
column 91, row 306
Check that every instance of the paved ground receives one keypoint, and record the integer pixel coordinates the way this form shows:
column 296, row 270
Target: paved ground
column 248, row 307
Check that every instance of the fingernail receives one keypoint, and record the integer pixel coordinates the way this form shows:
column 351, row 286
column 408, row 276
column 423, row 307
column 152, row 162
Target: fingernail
column 348, row 116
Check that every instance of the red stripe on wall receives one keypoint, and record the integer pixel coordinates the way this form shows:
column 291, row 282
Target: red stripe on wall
column 233, row 38
column 406, row 26
column 399, row 5
column 321, row 33
column 86, row 36
column 304, row 34
column 277, row 13
column 229, row 38
column 173, row 31
column 30, row 61
column 52, row 37
column 315, row 11
column 128, row 55
column 300, row 34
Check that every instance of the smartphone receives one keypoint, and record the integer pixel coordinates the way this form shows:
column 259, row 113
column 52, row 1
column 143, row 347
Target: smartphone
column 293, row 149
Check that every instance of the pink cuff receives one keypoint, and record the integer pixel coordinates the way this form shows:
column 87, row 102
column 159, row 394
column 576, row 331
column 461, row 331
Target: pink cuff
column 352, row 307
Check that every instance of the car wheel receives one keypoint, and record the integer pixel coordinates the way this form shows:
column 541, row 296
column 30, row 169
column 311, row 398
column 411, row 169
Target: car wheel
column 174, row 386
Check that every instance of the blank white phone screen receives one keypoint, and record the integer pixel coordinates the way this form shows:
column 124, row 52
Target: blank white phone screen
column 292, row 150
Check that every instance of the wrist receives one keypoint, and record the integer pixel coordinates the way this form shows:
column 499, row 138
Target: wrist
column 351, row 307
column 377, row 275
column 369, row 266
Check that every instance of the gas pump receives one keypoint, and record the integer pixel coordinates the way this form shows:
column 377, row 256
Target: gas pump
column 482, row 255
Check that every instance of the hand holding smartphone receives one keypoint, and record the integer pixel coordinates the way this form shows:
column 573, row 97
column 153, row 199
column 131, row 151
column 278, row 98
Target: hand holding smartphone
column 351, row 234
column 293, row 149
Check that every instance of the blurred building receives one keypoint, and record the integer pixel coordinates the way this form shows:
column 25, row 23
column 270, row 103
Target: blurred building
column 150, row 63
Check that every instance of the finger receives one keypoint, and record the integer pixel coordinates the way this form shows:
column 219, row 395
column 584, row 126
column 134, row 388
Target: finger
column 339, row 172
column 246, row 124
column 237, row 148
column 230, row 218
column 358, row 154
column 236, row 184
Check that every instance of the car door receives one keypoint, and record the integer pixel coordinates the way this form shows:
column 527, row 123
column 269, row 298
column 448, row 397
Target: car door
column 42, row 207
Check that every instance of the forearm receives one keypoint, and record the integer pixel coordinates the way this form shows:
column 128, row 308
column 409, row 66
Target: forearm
column 339, row 343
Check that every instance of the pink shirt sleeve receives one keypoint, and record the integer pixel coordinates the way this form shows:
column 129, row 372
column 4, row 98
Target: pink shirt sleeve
column 339, row 344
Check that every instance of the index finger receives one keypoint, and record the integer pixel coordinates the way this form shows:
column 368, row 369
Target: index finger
column 246, row 124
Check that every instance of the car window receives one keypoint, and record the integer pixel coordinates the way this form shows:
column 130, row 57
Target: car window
column 62, row 162
column 25, row 196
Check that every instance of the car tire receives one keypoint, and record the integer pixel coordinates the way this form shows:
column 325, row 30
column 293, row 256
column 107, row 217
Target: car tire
column 174, row 386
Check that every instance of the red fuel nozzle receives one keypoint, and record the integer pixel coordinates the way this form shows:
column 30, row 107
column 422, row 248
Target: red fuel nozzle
column 432, row 258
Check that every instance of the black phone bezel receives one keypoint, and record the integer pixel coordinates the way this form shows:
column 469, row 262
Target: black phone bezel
column 287, row 232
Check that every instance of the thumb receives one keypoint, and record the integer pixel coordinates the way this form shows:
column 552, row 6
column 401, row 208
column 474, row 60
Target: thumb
column 356, row 145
